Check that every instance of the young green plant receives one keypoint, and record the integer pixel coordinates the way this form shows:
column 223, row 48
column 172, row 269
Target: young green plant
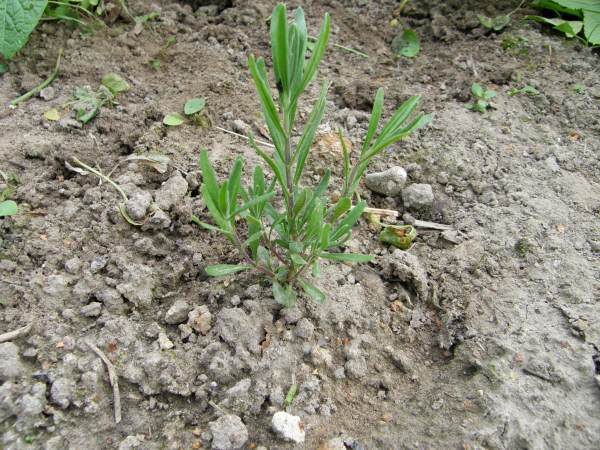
column 482, row 98
column 283, row 228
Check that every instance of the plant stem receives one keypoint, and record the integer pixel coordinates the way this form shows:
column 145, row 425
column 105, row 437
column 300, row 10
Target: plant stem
column 104, row 177
column 41, row 86
column 348, row 49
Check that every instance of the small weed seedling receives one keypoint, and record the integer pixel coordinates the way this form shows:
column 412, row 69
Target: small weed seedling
column 7, row 207
column 283, row 228
column 482, row 98
column 193, row 109
column 526, row 90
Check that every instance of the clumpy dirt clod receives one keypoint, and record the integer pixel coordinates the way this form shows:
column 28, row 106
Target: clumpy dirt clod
column 481, row 336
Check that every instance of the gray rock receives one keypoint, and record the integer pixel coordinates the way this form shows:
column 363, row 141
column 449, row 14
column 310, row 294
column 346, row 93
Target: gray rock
column 159, row 220
column 138, row 204
column 98, row 263
column 48, row 93
column 239, row 126
column 34, row 403
column 73, row 265
column 333, row 444
column 552, row 164
column 304, row 328
column 10, row 362
column 131, row 442
column 94, row 309
column 489, row 198
column 229, row 433
column 389, row 182
column 138, row 285
column 288, row 427
column 62, row 391
column 178, row 312
column 339, row 373
column 164, row 342
column 236, row 327
column 200, row 319
column 55, row 443
column 418, row 196
column 171, row 192
column 356, row 368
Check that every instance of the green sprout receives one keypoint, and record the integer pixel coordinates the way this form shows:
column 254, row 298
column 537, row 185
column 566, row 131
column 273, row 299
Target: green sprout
column 482, row 98
column 283, row 228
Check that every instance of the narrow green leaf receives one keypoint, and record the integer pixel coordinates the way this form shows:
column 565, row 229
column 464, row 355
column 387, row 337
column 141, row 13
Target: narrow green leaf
column 307, row 138
column 340, row 208
column 209, row 176
column 345, row 157
column 213, row 209
column 350, row 219
column 420, row 121
column 268, row 107
column 317, row 54
column 224, row 204
column 347, row 257
column 324, row 238
column 234, row 182
column 297, row 259
column 277, row 170
column 220, row 270
column 374, row 122
column 258, row 180
column 399, row 117
column 253, row 202
column 313, row 292
column 279, row 46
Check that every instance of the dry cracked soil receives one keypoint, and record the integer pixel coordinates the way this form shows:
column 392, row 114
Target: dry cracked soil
column 484, row 336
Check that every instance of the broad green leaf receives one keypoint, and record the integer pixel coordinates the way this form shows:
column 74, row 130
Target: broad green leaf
column 193, row 106
column 347, row 257
column 18, row 18
column 314, row 293
column 569, row 27
column 8, row 208
column 488, row 95
column 173, row 119
column 220, row 270
column 115, row 83
column 591, row 25
column 297, row 259
column 500, row 22
column 556, row 7
column 406, row 44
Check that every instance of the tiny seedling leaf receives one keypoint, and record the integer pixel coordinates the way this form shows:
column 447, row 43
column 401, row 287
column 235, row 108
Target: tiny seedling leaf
column 193, row 106
column 407, row 44
column 52, row 114
column 8, row 208
column 220, row 270
column 173, row 119
column 115, row 83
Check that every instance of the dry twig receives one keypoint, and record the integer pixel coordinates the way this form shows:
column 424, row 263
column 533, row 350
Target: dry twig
column 113, row 378
column 11, row 335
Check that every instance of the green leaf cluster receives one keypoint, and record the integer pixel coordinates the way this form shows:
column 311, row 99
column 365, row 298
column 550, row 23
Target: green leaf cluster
column 575, row 18
column 87, row 103
column 482, row 98
column 283, row 228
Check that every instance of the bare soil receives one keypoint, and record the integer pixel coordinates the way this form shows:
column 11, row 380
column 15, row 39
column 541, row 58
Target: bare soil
column 483, row 337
